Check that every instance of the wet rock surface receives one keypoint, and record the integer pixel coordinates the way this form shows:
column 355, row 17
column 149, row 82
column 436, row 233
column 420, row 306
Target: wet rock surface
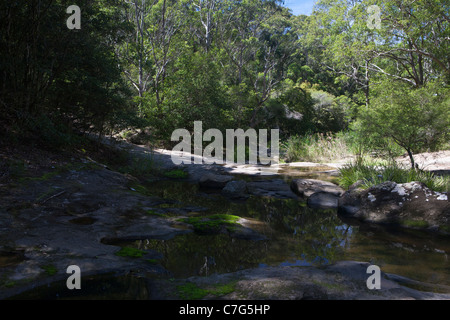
column 306, row 187
column 272, row 188
column 216, row 181
column 235, row 189
column 323, row 200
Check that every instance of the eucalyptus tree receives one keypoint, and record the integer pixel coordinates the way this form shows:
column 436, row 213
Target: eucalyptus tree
column 256, row 39
column 415, row 41
column 150, row 47
column 341, row 40
column 206, row 11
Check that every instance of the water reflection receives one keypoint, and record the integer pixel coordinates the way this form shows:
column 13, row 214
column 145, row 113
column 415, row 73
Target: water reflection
column 297, row 235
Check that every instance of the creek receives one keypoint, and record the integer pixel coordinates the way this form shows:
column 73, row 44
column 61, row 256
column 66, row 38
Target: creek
column 295, row 235
column 289, row 234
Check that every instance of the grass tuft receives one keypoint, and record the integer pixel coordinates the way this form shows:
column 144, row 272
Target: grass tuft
column 317, row 148
column 375, row 173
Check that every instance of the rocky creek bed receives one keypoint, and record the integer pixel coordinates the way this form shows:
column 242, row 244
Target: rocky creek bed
column 184, row 238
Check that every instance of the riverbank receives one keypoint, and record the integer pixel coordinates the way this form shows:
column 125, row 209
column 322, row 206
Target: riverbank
column 72, row 209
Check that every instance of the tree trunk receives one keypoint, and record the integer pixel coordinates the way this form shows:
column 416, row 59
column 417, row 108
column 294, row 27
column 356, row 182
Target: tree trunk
column 411, row 158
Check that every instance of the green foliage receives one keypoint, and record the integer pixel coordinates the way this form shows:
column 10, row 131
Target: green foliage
column 162, row 65
column 152, row 261
column 55, row 80
column 415, row 223
column 415, row 119
column 223, row 289
column 154, row 213
column 139, row 167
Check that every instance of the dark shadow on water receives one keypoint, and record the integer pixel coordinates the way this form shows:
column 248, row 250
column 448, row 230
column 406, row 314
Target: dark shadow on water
column 109, row 286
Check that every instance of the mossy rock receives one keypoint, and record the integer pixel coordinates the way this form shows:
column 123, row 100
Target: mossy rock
column 419, row 224
column 191, row 291
column 176, row 174
column 156, row 214
column 130, row 252
column 49, row 269
column 213, row 224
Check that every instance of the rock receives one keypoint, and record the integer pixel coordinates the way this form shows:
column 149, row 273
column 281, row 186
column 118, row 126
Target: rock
column 235, row 189
column 215, row 181
column 410, row 205
column 276, row 188
column 306, row 187
column 323, row 200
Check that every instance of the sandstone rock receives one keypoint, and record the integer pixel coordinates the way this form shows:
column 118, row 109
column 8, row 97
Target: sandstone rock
column 214, row 181
column 323, row 200
column 306, row 187
column 235, row 189
column 277, row 188
column 410, row 205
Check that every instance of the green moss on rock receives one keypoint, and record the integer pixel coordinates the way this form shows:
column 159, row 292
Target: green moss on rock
column 49, row 269
column 415, row 224
column 177, row 174
column 213, row 224
column 130, row 252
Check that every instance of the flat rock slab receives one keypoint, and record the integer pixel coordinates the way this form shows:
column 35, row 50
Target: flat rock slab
column 215, row 181
column 277, row 188
column 323, row 200
column 235, row 189
column 306, row 187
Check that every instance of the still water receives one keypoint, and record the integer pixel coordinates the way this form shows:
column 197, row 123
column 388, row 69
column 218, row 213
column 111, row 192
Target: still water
column 295, row 235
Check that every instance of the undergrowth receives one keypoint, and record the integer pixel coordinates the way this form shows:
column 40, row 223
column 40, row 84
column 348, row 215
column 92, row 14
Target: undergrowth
column 372, row 173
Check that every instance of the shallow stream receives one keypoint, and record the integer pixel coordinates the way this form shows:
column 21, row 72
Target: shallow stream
column 296, row 235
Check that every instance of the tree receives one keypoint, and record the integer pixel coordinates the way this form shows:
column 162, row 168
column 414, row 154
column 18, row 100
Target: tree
column 414, row 41
column 55, row 78
column 339, row 39
column 417, row 119
column 206, row 11
column 256, row 37
column 149, row 48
